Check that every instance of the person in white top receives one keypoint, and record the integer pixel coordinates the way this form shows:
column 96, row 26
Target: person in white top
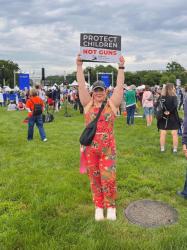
column 1, row 99
column 147, row 103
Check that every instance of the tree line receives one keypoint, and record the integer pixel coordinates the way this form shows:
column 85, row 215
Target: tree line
column 172, row 72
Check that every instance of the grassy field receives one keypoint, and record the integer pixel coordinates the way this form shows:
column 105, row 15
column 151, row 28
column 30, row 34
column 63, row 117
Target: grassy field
column 46, row 204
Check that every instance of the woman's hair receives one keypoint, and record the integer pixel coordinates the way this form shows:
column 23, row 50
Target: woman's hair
column 33, row 92
column 168, row 90
column 147, row 88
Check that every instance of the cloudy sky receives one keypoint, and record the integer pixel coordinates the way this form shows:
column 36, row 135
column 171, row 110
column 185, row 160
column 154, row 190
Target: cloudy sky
column 46, row 33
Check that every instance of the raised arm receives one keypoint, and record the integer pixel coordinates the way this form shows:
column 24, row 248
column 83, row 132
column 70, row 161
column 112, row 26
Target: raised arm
column 84, row 95
column 117, row 96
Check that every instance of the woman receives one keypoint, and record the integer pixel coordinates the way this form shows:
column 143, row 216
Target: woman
column 1, row 99
column 147, row 103
column 170, row 119
column 130, row 100
column 183, row 193
column 35, row 117
column 100, row 155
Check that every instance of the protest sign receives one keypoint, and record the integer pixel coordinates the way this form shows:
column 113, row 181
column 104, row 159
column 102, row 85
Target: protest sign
column 100, row 47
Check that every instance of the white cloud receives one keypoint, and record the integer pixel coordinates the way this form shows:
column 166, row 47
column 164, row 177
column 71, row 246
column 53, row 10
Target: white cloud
column 46, row 33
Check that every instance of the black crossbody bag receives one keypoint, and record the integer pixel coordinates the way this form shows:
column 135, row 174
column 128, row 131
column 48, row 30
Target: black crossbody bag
column 88, row 133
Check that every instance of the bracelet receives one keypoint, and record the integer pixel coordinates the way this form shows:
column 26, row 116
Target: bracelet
column 121, row 67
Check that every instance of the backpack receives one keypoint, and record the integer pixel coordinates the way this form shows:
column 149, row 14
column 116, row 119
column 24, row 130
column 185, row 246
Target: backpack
column 37, row 109
column 159, row 109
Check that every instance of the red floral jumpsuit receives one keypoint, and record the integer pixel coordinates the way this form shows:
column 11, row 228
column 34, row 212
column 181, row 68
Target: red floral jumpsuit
column 99, row 158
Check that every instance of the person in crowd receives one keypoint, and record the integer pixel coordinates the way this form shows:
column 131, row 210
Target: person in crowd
column 183, row 193
column 56, row 98
column 75, row 98
column 181, row 98
column 20, row 105
column 40, row 92
column 140, row 96
column 27, row 94
column 130, row 100
column 50, row 101
column 81, row 110
column 100, row 155
column 12, row 106
column 23, row 96
column 184, row 95
column 177, row 90
column 170, row 119
column 35, row 106
column 1, row 99
column 147, row 103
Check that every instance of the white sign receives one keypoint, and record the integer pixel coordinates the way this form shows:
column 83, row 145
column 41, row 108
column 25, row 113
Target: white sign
column 100, row 47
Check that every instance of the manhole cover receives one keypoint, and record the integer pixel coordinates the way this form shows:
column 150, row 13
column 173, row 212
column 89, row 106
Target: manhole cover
column 149, row 213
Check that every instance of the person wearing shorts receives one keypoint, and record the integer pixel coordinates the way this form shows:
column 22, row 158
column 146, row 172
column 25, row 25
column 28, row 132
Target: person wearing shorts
column 147, row 103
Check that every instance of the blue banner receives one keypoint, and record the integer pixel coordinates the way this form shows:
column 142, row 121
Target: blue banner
column 24, row 81
column 106, row 79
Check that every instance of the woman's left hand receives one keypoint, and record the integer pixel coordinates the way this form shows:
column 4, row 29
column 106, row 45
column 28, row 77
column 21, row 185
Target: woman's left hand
column 79, row 60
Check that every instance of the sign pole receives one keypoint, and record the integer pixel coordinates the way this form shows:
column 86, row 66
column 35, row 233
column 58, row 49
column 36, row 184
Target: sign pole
column 14, row 78
column 3, row 75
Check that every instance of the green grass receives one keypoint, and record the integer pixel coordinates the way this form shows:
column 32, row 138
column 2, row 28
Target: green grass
column 46, row 204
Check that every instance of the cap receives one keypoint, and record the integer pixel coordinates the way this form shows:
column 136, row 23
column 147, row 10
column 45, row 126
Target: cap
column 98, row 84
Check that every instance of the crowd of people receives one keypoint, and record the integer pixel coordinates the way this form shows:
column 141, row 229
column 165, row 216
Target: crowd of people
column 104, row 105
column 53, row 97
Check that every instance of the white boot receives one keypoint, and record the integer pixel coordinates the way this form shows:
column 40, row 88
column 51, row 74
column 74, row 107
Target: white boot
column 111, row 213
column 99, row 214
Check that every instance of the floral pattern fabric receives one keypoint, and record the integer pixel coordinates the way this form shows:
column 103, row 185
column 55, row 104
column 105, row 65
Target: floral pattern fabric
column 99, row 158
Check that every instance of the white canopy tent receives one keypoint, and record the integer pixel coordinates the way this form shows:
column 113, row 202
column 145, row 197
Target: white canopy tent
column 16, row 88
column 142, row 87
column 7, row 88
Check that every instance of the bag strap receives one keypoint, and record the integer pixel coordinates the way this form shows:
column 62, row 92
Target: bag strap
column 100, row 110
column 162, row 104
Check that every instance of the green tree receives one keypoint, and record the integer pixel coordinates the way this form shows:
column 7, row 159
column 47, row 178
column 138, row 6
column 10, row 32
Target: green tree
column 164, row 79
column 143, row 77
column 178, row 70
column 152, row 78
column 174, row 67
column 9, row 68
column 172, row 78
column 93, row 71
column 55, row 79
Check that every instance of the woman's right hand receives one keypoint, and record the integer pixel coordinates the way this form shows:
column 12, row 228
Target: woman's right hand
column 79, row 60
